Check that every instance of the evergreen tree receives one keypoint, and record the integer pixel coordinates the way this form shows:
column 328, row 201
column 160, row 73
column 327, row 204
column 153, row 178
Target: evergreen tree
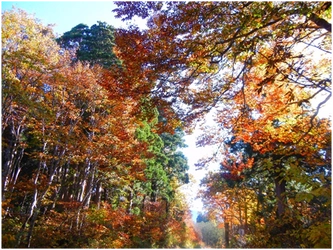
column 93, row 45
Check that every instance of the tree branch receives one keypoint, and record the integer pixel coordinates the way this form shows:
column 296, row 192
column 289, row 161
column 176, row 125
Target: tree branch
column 322, row 23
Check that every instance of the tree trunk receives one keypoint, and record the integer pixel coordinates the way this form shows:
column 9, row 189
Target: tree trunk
column 98, row 194
column 130, row 200
column 89, row 184
column 39, row 196
column 153, row 196
column 226, row 233
column 12, row 156
column 245, row 217
column 280, row 189
column 31, row 227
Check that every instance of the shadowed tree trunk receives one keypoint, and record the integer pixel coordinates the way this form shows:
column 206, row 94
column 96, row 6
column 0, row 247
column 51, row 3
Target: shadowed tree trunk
column 226, row 234
column 280, row 189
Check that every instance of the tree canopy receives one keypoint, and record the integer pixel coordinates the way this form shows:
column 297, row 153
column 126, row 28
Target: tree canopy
column 200, row 53
column 92, row 124
column 255, row 66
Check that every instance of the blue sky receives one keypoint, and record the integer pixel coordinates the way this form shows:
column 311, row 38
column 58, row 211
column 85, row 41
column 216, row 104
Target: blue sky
column 67, row 14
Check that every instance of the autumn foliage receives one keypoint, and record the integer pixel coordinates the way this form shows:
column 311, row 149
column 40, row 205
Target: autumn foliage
column 262, row 70
column 79, row 145
column 90, row 133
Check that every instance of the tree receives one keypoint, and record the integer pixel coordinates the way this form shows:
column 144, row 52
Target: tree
column 164, row 161
column 253, row 63
column 199, row 53
column 93, row 45
column 274, row 143
column 74, row 173
column 26, row 62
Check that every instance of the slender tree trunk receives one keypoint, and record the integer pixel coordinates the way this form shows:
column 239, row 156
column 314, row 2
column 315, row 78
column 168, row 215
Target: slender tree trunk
column 167, row 205
column 280, row 189
column 154, row 191
column 24, row 225
column 130, row 199
column 245, row 217
column 97, row 197
column 39, row 195
column 226, row 233
column 32, row 207
column 89, row 184
column 240, row 215
column 31, row 227
column 12, row 155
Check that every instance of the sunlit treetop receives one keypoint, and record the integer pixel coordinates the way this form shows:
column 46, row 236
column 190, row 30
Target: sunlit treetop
column 21, row 33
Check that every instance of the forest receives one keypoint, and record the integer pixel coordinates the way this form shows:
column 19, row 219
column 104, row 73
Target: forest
column 93, row 123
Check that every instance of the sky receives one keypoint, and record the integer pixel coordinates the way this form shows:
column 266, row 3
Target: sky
column 67, row 14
